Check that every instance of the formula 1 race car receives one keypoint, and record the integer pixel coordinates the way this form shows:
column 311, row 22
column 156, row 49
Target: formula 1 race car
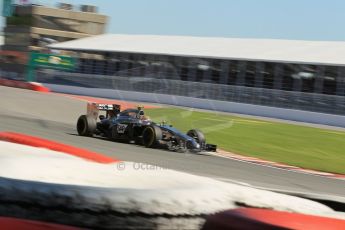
column 131, row 125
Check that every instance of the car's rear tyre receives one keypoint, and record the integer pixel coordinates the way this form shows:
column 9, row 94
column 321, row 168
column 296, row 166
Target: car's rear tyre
column 197, row 135
column 86, row 125
column 151, row 135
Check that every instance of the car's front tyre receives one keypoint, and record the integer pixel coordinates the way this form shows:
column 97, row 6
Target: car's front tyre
column 197, row 135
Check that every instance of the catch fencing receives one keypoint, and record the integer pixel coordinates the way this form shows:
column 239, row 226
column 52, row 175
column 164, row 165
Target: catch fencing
column 241, row 94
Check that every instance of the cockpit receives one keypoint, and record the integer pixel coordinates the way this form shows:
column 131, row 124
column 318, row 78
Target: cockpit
column 133, row 113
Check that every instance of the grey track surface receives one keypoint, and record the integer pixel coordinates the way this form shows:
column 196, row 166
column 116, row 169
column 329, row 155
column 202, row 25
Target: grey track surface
column 53, row 117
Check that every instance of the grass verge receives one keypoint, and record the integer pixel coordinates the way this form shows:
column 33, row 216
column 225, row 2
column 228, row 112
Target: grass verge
column 302, row 146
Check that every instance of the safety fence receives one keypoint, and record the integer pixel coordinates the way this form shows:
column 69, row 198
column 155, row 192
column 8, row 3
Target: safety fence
column 259, row 96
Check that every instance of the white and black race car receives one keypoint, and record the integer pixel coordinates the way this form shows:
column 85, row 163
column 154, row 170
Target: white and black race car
column 131, row 125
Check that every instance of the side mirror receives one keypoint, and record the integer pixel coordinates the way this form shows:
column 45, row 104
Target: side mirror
column 101, row 117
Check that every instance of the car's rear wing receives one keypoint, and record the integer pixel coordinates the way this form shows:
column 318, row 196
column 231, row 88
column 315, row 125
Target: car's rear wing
column 94, row 108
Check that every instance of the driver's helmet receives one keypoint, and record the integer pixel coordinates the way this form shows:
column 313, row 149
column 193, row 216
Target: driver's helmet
column 142, row 116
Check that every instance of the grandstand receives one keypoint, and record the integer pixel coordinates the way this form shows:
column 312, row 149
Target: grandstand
column 306, row 75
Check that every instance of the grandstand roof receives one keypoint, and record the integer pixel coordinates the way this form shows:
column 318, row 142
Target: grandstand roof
column 296, row 51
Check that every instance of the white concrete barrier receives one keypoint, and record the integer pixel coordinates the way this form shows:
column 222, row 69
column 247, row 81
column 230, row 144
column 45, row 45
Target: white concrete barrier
column 128, row 186
column 224, row 106
column 72, row 190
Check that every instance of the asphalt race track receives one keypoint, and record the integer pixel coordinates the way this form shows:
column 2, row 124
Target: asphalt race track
column 54, row 117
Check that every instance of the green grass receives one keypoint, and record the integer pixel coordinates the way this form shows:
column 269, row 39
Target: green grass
column 296, row 145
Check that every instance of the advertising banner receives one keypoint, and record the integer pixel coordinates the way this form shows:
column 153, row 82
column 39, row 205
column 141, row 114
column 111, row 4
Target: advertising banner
column 52, row 61
column 49, row 61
